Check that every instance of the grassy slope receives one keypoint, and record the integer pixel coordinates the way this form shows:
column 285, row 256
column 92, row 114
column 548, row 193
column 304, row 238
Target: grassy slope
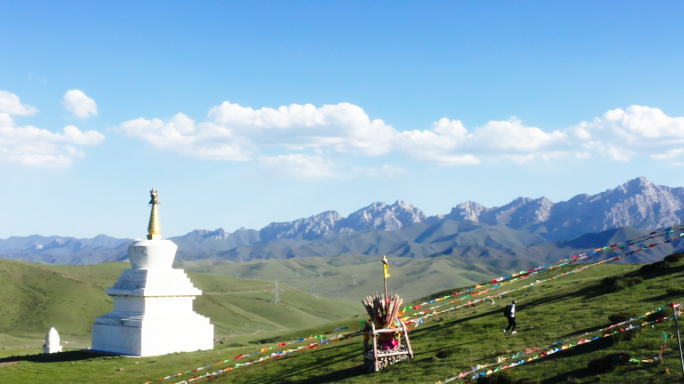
column 547, row 313
column 38, row 296
column 412, row 278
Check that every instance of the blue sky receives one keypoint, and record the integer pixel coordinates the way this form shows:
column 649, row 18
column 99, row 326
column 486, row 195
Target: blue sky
column 242, row 114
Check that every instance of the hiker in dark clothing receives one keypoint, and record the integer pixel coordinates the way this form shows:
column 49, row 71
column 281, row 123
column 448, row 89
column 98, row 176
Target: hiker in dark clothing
column 509, row 313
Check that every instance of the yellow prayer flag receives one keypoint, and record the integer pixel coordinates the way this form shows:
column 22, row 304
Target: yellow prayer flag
column 385, row 266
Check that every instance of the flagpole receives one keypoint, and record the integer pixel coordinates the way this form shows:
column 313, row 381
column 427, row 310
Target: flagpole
column 679, row 341
column 384, row 277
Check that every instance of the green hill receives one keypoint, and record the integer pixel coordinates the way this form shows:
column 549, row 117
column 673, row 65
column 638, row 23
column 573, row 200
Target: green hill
column 333, row 276
column 445, row 345
column 38, row 296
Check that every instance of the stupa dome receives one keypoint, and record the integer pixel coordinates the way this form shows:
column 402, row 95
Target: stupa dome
column 52, row 338
column 52, row 342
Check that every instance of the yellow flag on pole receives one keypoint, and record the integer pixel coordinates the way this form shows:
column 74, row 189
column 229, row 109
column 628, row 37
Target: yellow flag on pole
column 385, row 266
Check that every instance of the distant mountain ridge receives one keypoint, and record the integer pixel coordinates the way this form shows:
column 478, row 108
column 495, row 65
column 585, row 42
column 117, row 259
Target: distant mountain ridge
column 377, row 216
column 638, row 204
column 397, row 229
column 65, row 250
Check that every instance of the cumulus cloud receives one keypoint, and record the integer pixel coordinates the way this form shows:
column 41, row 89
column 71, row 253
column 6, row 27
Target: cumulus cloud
column 181, row 135
column 636, row 131
column 82, row 106
column 10, row 104
column 298, row 166
column 343, row 127
column 440, row 144
column 235, row 133
column 35, row 147
column 448, row 142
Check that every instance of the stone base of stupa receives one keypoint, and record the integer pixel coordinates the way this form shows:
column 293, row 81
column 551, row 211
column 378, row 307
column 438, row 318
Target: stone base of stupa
column 133, row 336
column 47, row 350
column 152, row 316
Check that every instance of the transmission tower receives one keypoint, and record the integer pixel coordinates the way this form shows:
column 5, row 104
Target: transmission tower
column 313, row 287
column 338, row 290
column 354, row 279
column 297, row 270
column 276, row 294
column 320, row 273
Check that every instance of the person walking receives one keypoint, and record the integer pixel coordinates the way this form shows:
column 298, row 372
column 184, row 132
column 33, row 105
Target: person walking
column 509, row 313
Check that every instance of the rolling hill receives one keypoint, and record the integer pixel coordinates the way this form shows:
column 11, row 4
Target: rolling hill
column 575, row 306
column 38, row 296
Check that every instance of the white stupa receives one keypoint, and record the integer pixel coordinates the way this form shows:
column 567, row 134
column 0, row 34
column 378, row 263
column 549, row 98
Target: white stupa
column 52, row 342
column 152, row 303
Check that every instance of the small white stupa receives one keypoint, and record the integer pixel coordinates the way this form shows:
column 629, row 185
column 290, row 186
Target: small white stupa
column 52, row 342
column 153, row 312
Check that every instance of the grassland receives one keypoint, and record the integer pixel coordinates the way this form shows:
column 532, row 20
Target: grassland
column 39, row 296
column 444, row 345
column 332, row 276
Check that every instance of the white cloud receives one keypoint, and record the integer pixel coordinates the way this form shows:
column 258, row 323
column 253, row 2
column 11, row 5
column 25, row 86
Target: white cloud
column 636, row 131
column 79, row 104
column 298, row 166
column 448, row 142
column 35, row 147
column 667, row 155
column 513, row 137
column 343, row 127
column 181, row 135
column 438, row 145
column 10, row 104
column 236, row 133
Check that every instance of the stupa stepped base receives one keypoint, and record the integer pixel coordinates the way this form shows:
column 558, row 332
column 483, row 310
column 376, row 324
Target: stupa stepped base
column 150, row 326
column 153, row 282
column 135, row 334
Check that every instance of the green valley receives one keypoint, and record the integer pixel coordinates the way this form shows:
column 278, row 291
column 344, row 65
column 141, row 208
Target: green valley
column 445, row 345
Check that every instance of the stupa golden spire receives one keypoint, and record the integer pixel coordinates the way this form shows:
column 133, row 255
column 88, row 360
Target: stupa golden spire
column 153, row 229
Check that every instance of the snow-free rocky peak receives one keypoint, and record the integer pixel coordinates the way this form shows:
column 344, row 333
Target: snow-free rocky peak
column 637, row 203
column 377, row 216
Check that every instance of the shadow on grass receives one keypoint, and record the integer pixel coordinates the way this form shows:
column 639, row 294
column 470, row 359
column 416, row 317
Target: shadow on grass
column 664, row 297
column 53, row 357
column 289, row 375
column 585, row 374
column 659, row 273
column 334, row 377
column 421, row 353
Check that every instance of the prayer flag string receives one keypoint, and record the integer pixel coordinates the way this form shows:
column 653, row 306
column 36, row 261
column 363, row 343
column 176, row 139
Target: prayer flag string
column 520, row 359
column 418, row 321
column 425, row 313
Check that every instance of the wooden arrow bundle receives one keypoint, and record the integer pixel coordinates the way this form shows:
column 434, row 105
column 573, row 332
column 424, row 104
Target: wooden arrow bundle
column 382, row 310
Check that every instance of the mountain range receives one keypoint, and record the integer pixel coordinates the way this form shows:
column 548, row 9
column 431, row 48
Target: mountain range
column 534, row 227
